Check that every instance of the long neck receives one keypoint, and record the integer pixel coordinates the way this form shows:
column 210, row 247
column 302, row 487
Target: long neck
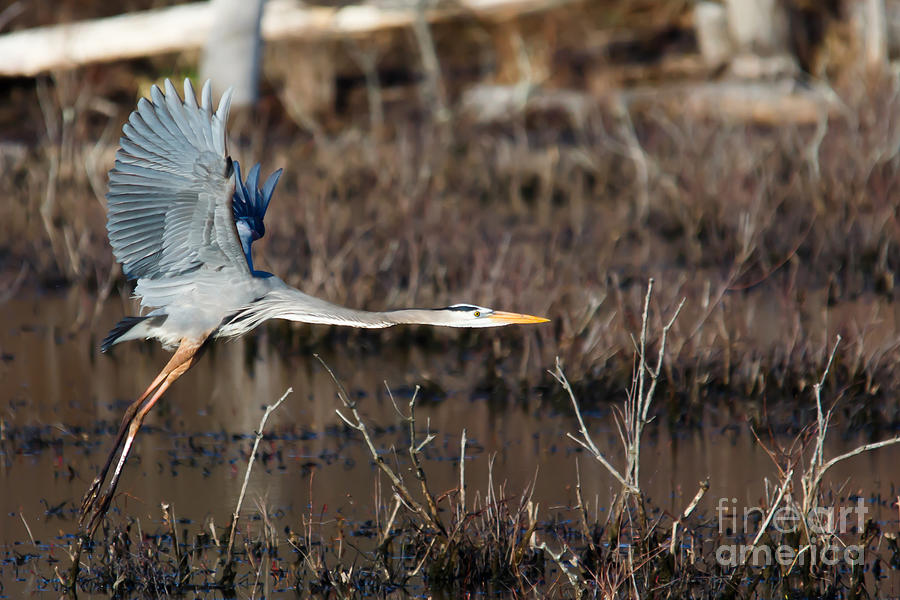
column 285, row 302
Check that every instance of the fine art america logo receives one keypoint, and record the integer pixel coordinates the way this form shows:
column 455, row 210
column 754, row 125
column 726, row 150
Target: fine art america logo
column 825, row 523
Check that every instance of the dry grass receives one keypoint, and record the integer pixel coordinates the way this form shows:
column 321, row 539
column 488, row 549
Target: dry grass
column 494, row 541
column 777, row 238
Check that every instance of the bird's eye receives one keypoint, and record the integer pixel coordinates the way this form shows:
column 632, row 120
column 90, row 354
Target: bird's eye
column 477, row 313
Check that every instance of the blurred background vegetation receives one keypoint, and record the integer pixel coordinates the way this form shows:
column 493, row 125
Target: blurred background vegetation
column 545, row 157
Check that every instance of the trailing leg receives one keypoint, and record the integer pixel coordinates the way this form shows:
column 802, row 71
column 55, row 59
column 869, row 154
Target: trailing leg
column 184, row 358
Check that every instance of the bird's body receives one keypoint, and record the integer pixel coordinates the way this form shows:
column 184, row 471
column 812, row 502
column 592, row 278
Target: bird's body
column 182, row 221
column 210, row 305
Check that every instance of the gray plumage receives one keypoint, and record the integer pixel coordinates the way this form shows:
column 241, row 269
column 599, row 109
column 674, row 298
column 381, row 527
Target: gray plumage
column 172, row 226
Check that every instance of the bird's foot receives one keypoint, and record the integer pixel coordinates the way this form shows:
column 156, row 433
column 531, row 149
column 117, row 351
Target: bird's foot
column 92, row 514
column 93, row 506
column 90, row 498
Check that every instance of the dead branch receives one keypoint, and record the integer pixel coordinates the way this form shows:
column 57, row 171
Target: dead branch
column 637, row 405
column 414, row 450
column 586, row 441
column 818, row 466
column 359, row 425
column 237, row 509
column 704, row 487
column 461, row 514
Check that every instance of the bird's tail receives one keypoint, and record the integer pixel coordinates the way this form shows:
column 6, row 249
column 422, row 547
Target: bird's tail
column 130, row 328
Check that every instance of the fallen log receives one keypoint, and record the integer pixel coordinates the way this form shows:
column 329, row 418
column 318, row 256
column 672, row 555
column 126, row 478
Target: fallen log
column 186, row 27
column 771, row 103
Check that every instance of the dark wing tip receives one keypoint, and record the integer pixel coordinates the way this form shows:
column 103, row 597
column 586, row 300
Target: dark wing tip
column 120, row 329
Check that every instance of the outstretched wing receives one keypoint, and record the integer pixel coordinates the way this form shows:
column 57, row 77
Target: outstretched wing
column 250, row 204
column 169, row 203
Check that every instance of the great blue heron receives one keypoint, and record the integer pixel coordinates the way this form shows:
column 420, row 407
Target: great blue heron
column 182, row 221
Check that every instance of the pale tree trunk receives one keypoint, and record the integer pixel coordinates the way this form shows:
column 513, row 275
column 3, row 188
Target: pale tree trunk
column 713, row 38
column 758, row 26
column 875, row 34
column 233, row 49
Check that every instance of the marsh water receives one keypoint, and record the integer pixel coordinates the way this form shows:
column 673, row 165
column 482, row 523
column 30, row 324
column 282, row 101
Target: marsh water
column 61, row 399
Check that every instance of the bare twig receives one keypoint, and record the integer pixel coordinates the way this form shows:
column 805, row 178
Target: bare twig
column 575, row 579
column 27, row 528
column 818, row 466
column 212, row 532
column 259, row 435
column 386, row 532
column 462, row 477
column 637, row 417
column 704, row 487
column 359, row 425
column 859, row 450
column 637, row 405
column 772, row 510
column 821, row 417
column 582, row 511
column 425, row 556
column 585, row 441
column 16, row 285
column 414, row 450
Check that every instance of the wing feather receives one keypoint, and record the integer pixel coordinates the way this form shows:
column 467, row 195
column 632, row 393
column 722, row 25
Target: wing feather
column 190, row 100
column 170, row 192
column 206, row 96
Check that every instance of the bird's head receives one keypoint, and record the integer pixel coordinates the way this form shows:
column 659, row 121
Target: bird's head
column 469, row 315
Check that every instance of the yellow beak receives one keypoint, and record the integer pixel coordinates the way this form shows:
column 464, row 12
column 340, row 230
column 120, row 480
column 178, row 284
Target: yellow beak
column 509, row 318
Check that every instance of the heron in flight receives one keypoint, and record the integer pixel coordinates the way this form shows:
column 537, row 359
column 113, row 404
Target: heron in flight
column 182, row 221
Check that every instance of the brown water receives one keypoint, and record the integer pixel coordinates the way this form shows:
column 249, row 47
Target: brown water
column 55, row 380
